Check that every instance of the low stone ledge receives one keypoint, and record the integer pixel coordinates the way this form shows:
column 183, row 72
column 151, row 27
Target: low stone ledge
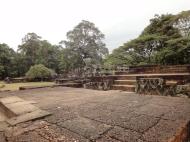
column 182, row 135
column 17, row 110
column 33, row 87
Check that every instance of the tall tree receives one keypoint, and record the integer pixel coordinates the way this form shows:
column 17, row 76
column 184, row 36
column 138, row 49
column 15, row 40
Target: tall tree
column 164, row 41
column 29, row 48
column 85, row 41
column 34, row 50
column 182, row 23
column 7, row 56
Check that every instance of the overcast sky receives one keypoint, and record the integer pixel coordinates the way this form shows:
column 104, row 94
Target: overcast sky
column 119, row 20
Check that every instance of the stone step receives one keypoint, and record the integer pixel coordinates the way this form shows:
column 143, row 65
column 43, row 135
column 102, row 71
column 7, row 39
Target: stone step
column 129, row 88
column 28, row 116
column 124, row 77
column 149, row 72
column 168, row 76
column 125, row 82
column 154, row 69
column 17, row 110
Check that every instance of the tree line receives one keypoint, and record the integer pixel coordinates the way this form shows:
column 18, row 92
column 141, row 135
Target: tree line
column 85, row 41
column 165, row 41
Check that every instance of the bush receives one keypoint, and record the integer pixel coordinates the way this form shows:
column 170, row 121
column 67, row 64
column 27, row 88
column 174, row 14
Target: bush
column 39, row 72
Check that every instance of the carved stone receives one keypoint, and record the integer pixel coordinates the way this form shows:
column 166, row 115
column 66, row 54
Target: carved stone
column 155, row 86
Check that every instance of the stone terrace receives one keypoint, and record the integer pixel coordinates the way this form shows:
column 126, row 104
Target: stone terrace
column 102, row 116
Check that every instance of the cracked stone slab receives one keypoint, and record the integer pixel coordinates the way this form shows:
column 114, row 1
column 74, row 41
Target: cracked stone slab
column 61, row 115
column 108, row 114
column 141, row 123
column 176, row 113
column 163, row 131
column 28, row 116
column 41, row 131
column 82, row 115
column 125, row 135
column 130, row 100
column 152, row 110
column 88, row 128
column 69, row 136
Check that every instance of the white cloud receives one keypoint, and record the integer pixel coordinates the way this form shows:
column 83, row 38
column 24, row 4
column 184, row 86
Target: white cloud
column 119, row 20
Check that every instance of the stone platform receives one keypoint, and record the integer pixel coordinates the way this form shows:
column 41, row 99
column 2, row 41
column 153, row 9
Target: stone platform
column 125, row 79
column 82, row 115
column 14, row 110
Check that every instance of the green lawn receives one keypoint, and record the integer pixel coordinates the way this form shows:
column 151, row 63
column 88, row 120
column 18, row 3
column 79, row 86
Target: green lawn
column 15, row 86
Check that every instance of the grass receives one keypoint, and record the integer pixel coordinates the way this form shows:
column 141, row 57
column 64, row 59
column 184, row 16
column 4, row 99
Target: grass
column 15, row 86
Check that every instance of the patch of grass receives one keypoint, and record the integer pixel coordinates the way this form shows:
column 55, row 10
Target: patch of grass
column 15, row 86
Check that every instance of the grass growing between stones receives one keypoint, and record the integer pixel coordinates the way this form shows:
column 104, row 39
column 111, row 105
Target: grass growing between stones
column 15, row 86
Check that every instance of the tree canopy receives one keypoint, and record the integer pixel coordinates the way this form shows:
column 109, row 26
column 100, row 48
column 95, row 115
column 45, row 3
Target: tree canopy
column 7, row 62
column 165, row 40
column 85, row 41
column 34, row 50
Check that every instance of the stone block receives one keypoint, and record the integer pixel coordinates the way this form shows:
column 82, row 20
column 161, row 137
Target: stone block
column 28, row 116
column 9, row 100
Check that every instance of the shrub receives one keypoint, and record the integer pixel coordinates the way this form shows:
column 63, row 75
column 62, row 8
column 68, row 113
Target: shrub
column 39, row 72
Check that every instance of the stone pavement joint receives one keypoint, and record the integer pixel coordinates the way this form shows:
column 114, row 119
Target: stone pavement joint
column 82, row 115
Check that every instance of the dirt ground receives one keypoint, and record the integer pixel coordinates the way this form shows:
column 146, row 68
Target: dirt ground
column 15, row 86
column 103, row 116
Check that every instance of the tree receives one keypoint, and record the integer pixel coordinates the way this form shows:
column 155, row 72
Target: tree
column 39, row 72
column 182, row 23
column 162, row 26
column 164, row 41
column 177, row 52
column 34, row 50
column 138, row 51
column 7, row 56
column 20, row 64
column 85, row 41
column 48, row 55
column 29, row 48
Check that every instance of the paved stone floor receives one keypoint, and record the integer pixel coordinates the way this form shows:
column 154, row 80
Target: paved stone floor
column 103, row 116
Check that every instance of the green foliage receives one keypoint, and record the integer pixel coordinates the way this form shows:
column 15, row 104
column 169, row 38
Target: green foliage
column 39, row 72
column 7, row 56
column 177, row 51
column 164, row 41
column 162, row 25
column 29, row 48
column 33, row 51
column 84, row 42
column 1, row 71
column 182, row 23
